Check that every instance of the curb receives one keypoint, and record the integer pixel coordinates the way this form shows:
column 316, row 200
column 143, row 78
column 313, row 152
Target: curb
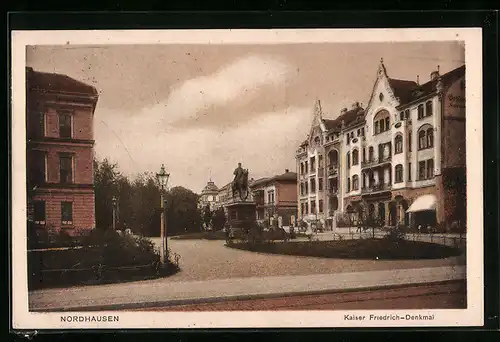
column 229, row 298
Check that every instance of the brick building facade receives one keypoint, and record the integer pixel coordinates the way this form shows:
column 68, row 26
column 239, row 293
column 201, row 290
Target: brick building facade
column 59, row 152
column 276, row 197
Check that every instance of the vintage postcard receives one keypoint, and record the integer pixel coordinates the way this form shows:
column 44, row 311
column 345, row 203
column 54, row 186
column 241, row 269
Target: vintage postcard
column 247, row 178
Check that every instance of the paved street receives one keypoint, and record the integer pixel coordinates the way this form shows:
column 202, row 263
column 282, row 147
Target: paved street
column 208, row 259
column 449, row 295
column 213, row 272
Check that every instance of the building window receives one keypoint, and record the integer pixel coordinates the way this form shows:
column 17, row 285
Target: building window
column 355, row 157
column 348, row 159
column 398, row 144
column 421, row 170
column 313, row 185
column 39, row 212
column 430, row 138
column 65, row 129
column 270, row 197
column 355, row 182
column 313, row 207
column 409, row 141
column 306, row 206
column 407, row 114
column 362, row 131
column 420, row 112
column 409, row 171
column 38, row 171
column 313, row 164
column 364, row 155
column 382, row 125
column 307, row 188
column 348, row 184
column 428, row 108
column 302, row 188
column 387, row 124
column 67, row 213
column 320, row 184
column 66, row 168
column 301, row 168
column 421, row 140
column 399, row 173
column 377, row 128
column 430, row 168
column 401, row 116
column 320, row 203
column 371, row 157
column 320, row 161
column 347, row 139
column 306, row 167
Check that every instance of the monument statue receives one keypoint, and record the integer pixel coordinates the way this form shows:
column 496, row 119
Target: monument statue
column 240, row 182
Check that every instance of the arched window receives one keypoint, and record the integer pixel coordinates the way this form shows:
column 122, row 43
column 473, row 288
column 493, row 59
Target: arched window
column 401, row 116
column 355, row 157
column 348, row 158
column 428, row 108
column 355, row 182
column 407, row 114
column 425, row 137
column 398, row 144
column 399, row 173
column 382, row 121
column 430, row 137
column 420, row 114
column 348, row 184
column 421, row 140
column 317, row 141
column 371, row 157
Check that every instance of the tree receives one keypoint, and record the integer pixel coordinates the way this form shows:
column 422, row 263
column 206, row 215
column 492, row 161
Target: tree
column 219, row 219
column 182, row 211
column 207, row 216
column 106, row 177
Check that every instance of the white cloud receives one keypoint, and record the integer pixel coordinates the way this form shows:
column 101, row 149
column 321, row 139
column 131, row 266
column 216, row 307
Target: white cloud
column 239, row 79
column 145, row 140
column 265, row 146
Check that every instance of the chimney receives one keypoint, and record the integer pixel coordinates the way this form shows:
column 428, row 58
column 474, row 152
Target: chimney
column 344, row 110
column 286, row 170
column 435, row 74
column 355, row 105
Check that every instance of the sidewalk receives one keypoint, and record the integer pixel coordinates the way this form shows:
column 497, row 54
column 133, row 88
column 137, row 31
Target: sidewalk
column 150, row 293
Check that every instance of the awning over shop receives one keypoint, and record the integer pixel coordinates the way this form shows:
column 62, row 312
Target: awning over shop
column 423, row 203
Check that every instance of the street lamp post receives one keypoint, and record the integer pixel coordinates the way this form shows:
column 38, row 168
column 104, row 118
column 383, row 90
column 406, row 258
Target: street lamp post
column 113, row 200
column 163, row 181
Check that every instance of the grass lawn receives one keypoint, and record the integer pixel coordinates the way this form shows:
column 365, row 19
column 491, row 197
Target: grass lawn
column 383, row 249
column 219, row 235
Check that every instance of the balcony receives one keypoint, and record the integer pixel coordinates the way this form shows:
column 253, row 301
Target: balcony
column 376, row 162
column 333, row 170
column 376, row 188
column 332, row 192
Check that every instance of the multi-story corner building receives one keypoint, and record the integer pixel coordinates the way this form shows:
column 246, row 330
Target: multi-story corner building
column 276, row 197
column 59, row 154
column 402, row 155
column 209, row 195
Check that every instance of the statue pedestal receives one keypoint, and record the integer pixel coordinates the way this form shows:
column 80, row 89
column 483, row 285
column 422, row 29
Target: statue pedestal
column 241, row 214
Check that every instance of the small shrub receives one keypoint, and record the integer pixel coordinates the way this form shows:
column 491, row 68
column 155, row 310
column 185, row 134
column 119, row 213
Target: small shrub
column 395, row 234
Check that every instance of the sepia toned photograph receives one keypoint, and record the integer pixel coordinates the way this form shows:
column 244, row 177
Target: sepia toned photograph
column 194, row 183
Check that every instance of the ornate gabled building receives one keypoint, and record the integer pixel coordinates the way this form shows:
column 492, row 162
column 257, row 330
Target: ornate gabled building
column 402, row 158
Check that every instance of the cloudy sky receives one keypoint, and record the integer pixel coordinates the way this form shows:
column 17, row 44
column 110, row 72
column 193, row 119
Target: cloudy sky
column 201, row 109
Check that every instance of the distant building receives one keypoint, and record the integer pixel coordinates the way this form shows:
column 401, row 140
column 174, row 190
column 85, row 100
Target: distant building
column 402, row 158
column 209, row 195
column 276, row 197
column 59, row 156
